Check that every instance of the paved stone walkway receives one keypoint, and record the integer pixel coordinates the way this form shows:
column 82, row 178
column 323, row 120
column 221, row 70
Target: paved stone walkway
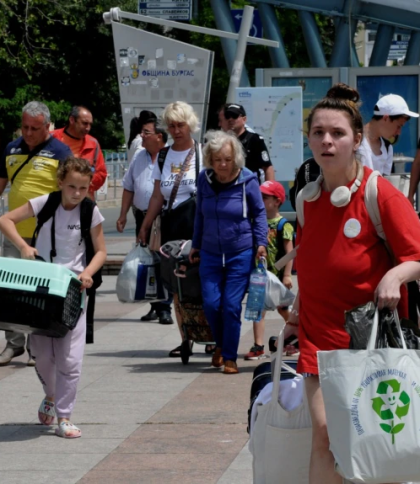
column 144, row 417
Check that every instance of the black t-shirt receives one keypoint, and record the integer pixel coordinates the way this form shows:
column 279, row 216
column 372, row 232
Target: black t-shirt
column 220, row 186
column 257, row 156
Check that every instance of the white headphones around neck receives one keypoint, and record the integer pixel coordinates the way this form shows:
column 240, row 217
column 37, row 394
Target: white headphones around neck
column 340, row 197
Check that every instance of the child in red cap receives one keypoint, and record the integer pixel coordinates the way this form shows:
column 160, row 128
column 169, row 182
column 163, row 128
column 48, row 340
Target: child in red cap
column 280, row 242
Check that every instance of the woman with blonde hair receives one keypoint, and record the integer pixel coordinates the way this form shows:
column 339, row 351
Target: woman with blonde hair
column 175, row 175
column 230, row 230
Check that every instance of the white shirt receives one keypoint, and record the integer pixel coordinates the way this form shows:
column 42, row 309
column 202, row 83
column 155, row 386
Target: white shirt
column 171, row 167
column 382, row 162
column 135, row 147
column 70, row 252
column 139, row 179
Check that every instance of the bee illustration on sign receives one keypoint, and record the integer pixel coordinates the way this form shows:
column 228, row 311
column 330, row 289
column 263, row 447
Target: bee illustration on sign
column 134, row 71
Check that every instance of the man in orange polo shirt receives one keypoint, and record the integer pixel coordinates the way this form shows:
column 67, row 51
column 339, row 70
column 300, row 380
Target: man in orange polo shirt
column 76, row 136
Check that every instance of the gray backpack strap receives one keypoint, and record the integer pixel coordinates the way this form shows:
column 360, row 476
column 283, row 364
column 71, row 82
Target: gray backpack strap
column 371, row 202
column 300, row 214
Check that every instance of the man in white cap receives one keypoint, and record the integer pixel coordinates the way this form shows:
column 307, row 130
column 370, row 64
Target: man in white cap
column 389, row 116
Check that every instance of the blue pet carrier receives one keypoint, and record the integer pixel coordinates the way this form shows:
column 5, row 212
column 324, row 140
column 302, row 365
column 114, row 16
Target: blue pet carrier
column 38, row 297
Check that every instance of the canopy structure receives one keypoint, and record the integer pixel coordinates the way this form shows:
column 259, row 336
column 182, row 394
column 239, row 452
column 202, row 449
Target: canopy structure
column 385, row 15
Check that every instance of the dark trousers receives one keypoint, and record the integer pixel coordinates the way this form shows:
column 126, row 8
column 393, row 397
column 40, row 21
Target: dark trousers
column 161, row 305
column 90, row 314
column 223, row 284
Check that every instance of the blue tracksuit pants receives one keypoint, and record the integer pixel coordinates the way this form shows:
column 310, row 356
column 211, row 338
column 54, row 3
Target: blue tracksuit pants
column 224, row 281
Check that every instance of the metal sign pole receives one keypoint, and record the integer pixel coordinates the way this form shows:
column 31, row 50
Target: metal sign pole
column 238, row 65
column 115, row 15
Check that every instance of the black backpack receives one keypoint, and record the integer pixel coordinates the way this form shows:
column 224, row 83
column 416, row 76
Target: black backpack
column 309, row 171
column 86, row 212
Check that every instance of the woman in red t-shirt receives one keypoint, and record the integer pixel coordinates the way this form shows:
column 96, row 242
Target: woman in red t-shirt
column 342, row 263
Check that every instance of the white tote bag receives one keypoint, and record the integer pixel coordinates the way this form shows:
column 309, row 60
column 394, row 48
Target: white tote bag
column 372, row 403
column 139, row 277
column 280, row 441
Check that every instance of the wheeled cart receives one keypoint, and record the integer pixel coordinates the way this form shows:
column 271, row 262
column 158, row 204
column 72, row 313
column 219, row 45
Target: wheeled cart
column 182, row 278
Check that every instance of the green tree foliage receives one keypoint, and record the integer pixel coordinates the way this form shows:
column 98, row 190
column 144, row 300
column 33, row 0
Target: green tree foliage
column 61, row 52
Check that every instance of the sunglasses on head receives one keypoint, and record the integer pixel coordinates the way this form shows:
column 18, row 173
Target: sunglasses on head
column 231, row 116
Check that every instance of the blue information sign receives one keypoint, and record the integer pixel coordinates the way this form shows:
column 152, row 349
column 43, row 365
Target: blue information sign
column 166, row 9
column 256, row 29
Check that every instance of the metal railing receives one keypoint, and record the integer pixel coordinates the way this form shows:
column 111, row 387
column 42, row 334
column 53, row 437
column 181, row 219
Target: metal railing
column 116, row 167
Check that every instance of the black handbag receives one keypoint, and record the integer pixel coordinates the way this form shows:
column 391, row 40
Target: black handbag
column 178, row 223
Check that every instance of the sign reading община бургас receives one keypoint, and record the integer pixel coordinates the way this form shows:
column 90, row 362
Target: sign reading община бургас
column 167, row 9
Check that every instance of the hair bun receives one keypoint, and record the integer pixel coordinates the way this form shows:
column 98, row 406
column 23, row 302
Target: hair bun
column 343, row 91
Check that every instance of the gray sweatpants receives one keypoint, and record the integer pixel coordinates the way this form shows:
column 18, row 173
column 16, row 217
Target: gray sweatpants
column 14, row 340
column 59, row 365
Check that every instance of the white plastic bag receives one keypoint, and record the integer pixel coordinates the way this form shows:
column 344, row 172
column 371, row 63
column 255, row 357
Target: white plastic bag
column 372, row 404
column 276, row 293
column 280, row 441
column 139, row 277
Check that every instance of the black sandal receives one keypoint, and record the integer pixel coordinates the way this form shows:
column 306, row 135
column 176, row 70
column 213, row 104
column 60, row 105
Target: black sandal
column 210, row 349
column 176, row 352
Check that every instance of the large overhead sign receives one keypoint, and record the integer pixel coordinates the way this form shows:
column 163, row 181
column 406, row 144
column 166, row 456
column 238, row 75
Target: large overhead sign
column 154, row 71
column 166, row 9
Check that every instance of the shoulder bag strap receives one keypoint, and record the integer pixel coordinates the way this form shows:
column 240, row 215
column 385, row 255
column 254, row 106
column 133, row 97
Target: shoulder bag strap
column 185, row 166
column 31, row 154
column 197, row 161
column 162, row 157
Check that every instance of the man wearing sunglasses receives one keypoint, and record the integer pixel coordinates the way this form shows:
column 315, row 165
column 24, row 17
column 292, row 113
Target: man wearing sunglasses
column 257, row 157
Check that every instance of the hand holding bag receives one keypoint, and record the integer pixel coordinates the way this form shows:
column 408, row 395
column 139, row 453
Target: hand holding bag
column 280, row 441
column 276, row 293
column 372, row 404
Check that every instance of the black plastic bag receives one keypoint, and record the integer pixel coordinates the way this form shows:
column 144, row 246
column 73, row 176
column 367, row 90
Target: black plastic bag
column 359, row 322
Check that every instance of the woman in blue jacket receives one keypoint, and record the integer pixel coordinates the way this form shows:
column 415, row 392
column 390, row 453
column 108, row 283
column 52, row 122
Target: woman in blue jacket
column 230, row 231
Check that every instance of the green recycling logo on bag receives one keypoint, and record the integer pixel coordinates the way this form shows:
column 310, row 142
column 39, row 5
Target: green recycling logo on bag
column 396, row 403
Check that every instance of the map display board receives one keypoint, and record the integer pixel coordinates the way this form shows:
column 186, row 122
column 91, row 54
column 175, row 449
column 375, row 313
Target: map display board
column 313, row 90
column 276, row 114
